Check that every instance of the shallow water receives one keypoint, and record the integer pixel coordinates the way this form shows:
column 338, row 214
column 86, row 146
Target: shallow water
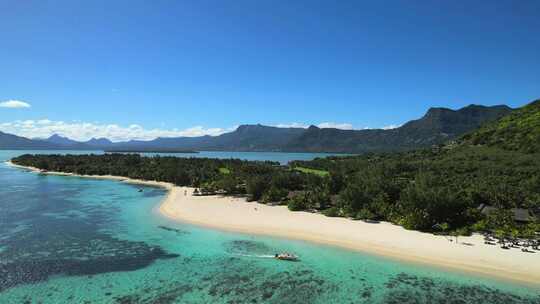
column 75, row 240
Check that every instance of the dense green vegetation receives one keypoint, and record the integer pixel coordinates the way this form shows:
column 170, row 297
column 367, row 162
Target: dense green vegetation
column 312, row 171
column 426, row 189
column 224, row 170
column 518, row 131
column 438, row 189
column 197, row 172
column 422, row 190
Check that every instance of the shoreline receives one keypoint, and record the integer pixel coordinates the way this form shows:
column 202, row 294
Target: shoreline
column 167, row 186
column 381, row 239
column 233, row 214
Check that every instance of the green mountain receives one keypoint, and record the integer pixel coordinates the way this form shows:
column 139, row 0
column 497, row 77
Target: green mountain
column 518, row 131
column 435, row 127
column 487, row 180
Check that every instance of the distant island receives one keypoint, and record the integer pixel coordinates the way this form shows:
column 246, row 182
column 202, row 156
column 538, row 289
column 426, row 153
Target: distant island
column 149, row 150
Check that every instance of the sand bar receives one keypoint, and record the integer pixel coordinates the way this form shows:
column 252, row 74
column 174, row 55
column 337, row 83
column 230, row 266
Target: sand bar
column 237, row 215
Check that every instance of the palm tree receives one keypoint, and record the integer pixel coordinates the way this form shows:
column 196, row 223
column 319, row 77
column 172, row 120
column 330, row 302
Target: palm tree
column 444, row 227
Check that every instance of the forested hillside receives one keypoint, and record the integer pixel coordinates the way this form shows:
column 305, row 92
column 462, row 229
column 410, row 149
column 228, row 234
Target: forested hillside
column 437, row 126
column 518, row 131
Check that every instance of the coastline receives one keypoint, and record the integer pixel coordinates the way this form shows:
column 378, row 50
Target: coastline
column 165, row 185
column 381, row 239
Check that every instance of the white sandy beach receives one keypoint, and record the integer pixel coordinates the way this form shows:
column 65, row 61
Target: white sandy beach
column 165, row 185
column 235, row 214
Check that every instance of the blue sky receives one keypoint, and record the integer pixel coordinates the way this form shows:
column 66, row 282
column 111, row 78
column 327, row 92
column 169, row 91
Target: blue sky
column 195, row 67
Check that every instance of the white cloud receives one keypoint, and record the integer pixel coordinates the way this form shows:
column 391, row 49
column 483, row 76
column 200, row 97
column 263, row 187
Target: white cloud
column 335, row 125
column 389, row 127
column 44, row 121
column 292, row 125
column 14, row 104
column 322, row 125
column 343, row 126
column 201, row 131
column 83, row 131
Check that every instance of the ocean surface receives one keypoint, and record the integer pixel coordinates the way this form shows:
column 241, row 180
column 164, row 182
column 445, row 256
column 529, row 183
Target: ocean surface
column 281, row 157
column 76, row 240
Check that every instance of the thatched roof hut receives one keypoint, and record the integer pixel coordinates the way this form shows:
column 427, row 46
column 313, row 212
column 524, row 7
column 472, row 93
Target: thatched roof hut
column 519, row 214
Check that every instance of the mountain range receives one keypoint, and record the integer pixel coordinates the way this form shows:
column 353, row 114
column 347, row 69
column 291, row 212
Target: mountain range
column 437, row 126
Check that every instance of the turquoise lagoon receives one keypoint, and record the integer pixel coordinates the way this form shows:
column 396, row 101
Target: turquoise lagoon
column 76, row 240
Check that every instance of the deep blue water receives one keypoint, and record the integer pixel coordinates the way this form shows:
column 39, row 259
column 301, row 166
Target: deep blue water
column 76, row 240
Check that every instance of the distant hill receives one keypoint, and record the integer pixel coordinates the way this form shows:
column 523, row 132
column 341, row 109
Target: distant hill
column 69, row 144
column 244, row 138
column 13, row 142
column 435, row 127
column 60, row 140
column 518, row 131
column 99, row 142
column 255, row 138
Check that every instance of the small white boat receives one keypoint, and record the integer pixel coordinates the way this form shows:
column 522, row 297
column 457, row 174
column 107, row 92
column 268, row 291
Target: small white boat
column 284, row 256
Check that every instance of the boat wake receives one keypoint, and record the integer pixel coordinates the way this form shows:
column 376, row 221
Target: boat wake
column 260, row 256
